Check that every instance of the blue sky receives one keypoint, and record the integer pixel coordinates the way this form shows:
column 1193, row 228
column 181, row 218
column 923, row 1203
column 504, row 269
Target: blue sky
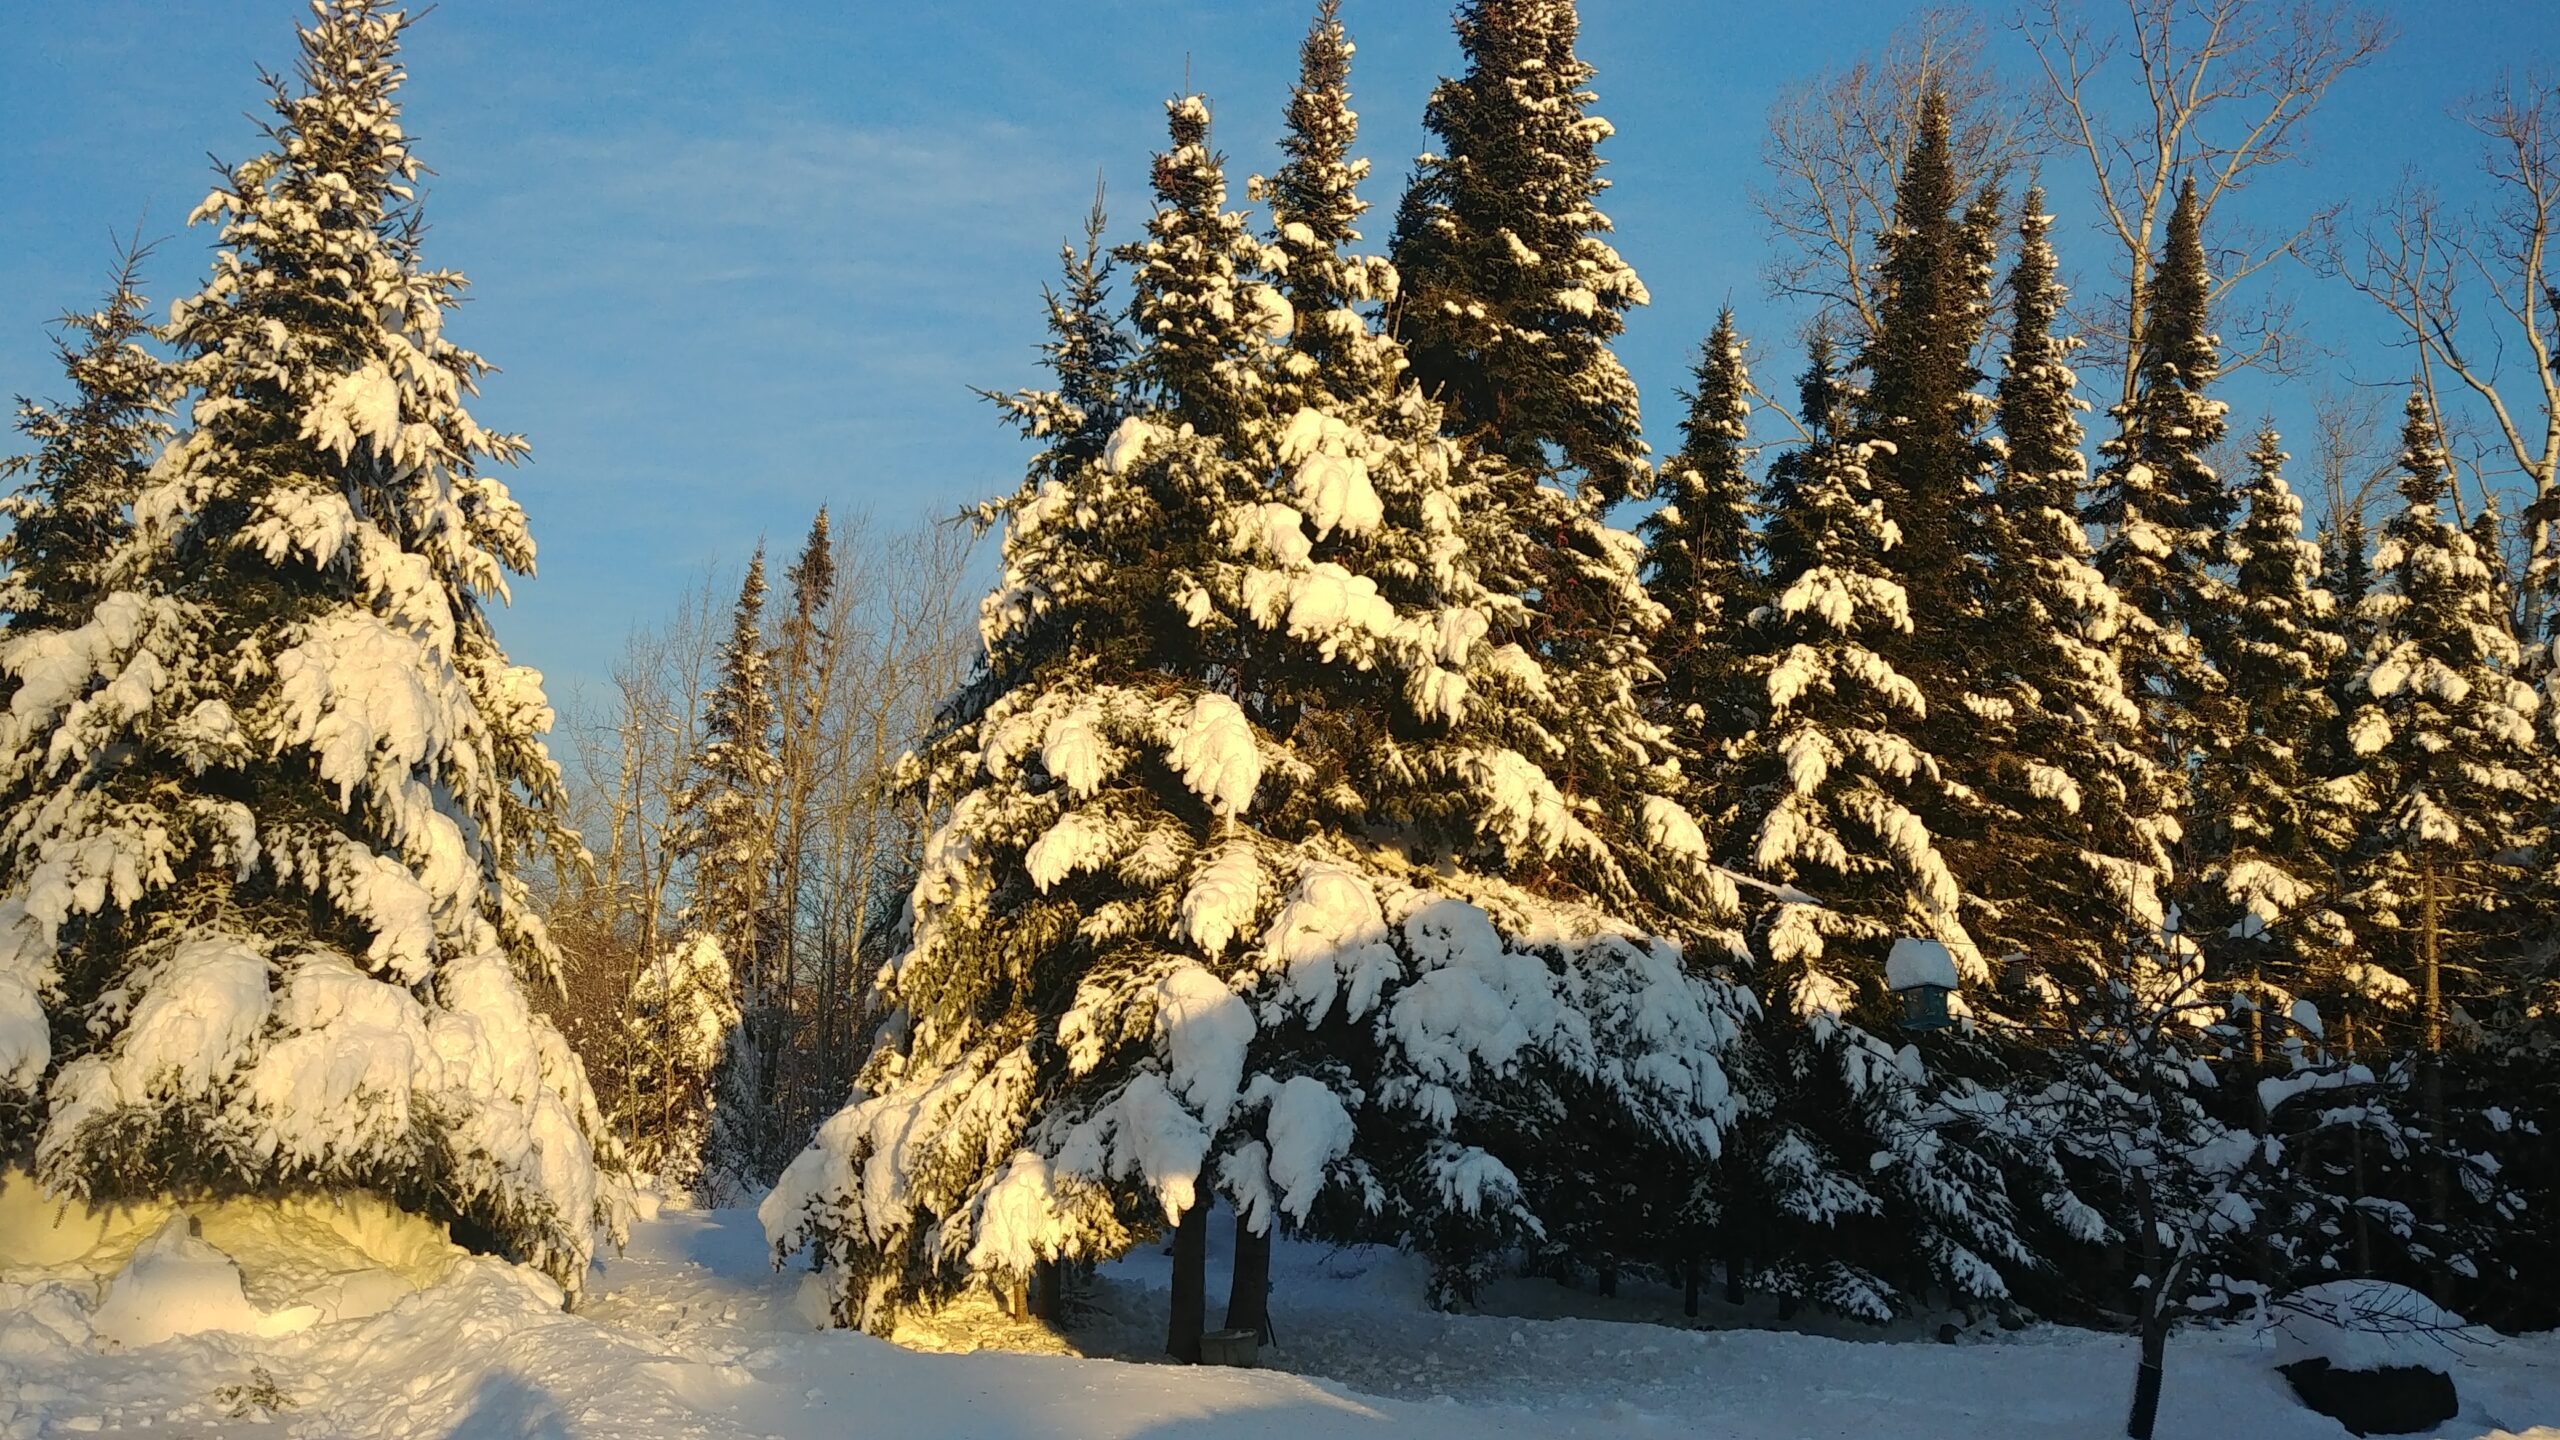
column 736, row 261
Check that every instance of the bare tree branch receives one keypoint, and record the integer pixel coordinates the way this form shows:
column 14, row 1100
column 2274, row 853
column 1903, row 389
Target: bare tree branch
column 1836, row 145
column 2474, row 294
column 2217, row 88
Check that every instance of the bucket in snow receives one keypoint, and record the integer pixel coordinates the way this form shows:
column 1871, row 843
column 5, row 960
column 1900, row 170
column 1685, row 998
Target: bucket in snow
column 1230, row 1347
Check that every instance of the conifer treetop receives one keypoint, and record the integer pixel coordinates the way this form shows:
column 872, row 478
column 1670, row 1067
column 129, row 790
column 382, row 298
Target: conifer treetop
column 1698, row 543
column 1700, row 552
column 1197, row 300
column 1511, row 296
column 92, row 452
column 1315, row 205
column 2448, row 726
column 1922, row 391
column 2039, row 400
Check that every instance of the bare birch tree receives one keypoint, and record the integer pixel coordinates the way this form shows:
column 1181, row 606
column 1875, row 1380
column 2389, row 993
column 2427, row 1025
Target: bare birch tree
column 2217, row 88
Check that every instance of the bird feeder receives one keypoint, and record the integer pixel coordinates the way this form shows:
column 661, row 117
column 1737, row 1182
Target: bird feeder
column 1923, row 974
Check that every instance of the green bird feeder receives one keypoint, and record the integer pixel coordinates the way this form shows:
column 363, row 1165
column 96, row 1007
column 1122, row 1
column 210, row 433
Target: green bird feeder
column 1923, row 974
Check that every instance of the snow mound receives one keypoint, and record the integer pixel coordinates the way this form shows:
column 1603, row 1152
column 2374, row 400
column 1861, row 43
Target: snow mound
column 2365, row 1325
column 179, row 1285
column 341, row 1257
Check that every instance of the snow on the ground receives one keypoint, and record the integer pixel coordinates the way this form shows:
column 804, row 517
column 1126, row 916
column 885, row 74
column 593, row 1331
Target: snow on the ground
column 689, row 1334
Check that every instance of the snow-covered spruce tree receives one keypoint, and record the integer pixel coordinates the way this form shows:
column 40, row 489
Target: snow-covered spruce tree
column 680, row 1020
column 1508, row 297
column 2445, row 726
column 1853, row 1182
column 2162, row 509
column 1252, row 880
column 2267, row 834
column 1511, row 295
column 1701, row 565
column 2076, row 852
column 259, row 876
column 2446, row 730
column 67, row 515
column 72, row 505
column 1924, row 412
column 727, row 838
column 1543, row 404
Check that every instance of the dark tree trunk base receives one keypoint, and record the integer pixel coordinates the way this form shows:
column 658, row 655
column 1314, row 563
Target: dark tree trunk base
column 2146, row 1401
column 1249, row 1289
column 1190, row 1285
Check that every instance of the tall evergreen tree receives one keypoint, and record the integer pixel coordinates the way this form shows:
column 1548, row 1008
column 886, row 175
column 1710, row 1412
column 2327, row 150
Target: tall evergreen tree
column 274, row 778
column 809, row 657
column 1510, row 295
column 2267, row 833
column 2162, row 507
column 727, row 836
column 1923, row 403
column 1701, row 557
column 1835, row 789
column 2445, row 726
column 2446, row 730
column 1922, row 418
column 2077, row 849
column 1508, row 298
column 69, row 513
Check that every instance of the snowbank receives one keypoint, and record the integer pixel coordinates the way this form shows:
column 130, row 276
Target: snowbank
column 176, row 1284
column 2367, row 1325
column 339, row 1257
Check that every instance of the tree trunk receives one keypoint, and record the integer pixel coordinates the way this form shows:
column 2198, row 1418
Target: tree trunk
column 1190, row 1283
column 1046, row 1301
column 2156, row 1314
column 1733, row 1277
column 2146, row 1378
column 2257, row 1016
column 2431, row 1076
column 1249, row 1284
column 1689, row 1288
column 2357, row 1222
